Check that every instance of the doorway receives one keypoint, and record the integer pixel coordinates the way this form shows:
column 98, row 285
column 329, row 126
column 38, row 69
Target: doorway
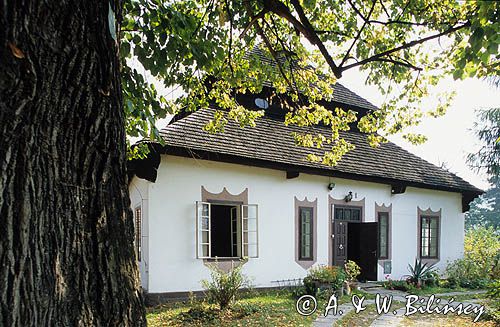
column 355, row 240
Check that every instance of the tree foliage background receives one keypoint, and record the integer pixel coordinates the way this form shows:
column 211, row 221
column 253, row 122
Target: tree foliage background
column 406, row 47
column 485, row 210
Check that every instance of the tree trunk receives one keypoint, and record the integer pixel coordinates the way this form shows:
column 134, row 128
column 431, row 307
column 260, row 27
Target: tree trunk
column 66, row 232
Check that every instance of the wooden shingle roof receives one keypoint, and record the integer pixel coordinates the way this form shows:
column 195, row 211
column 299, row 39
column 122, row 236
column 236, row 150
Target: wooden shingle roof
column 270, row 144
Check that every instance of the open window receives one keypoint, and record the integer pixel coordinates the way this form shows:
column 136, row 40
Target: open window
column 226, row 230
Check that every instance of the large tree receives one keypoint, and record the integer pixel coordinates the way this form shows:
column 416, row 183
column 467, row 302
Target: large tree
column 66, row 249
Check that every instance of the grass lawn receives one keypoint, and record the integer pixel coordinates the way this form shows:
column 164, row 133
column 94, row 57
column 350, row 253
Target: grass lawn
column 269, row 309
column 275, row 308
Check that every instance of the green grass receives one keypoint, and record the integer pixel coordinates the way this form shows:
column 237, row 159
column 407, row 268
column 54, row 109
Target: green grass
column 272, row 308
column 269, row 309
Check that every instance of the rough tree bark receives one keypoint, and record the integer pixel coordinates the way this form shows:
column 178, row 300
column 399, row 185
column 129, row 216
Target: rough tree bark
column 66, row 232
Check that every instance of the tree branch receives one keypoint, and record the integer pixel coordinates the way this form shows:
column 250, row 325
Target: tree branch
column 404, row 46
column 358, row 35
column 303, row 26
column 399, row 62
column 254, row 19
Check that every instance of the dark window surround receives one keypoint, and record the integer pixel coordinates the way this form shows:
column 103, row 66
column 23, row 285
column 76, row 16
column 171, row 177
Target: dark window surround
column 387, row 231
column 138, row 231
column 430, row 217
column 311, row 257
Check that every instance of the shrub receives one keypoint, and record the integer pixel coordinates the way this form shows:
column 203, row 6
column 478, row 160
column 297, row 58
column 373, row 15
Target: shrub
column 352, row 270
column 481, row 261
column 224, row 286
column 494, row 296
column 331, row 277
column 400, row 285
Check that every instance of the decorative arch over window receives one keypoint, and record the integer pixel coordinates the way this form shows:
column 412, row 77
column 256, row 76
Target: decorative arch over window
column 306, row 227
column 224, row 196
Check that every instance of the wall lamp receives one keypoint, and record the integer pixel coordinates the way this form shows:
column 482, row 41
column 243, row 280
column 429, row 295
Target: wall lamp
column 331, row 186
column 348, row 197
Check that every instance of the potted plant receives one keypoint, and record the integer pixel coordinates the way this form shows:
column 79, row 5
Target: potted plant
column 352, row 271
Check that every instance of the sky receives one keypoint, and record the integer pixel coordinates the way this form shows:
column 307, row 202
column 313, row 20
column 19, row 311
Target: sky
column 450, row 137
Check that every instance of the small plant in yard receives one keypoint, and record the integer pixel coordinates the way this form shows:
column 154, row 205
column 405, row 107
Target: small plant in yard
column 352, row 271
column 324, row 277
column 420, row 272
column 223, row 286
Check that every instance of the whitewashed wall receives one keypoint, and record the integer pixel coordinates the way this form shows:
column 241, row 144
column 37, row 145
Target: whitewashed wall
column 171, row 253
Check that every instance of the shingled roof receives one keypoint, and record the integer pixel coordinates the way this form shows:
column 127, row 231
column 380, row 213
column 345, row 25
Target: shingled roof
column 270, row 144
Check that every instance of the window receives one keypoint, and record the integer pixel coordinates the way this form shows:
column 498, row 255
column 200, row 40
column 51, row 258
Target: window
column 226, row 230
column 429, row 236
column 306, row 233
column 261, row 103
column 348, row 213
column 383, row 235
column 138, row 220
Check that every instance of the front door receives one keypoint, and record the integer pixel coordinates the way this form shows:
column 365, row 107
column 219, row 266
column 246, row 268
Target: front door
column 340, row 243
column 368, row 240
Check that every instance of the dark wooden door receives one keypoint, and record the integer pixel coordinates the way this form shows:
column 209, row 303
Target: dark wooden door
column 367, row 257
column 340, row 243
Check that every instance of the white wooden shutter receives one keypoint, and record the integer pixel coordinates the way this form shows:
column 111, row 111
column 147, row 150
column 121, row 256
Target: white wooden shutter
column 203, row 233
column 249, row 231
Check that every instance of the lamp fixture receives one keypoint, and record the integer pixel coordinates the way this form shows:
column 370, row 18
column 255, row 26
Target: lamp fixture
column 331, row 186
column 348, row 197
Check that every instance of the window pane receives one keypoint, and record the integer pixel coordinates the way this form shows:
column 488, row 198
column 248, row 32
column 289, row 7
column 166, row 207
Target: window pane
column 434, row 223
column 252, row 250
column 305, row 237
column 425, row 250
column 204, row 222
column 251, row 237
column 204, row 209
column 433, row 250
column 339, row 214
column 251, row 224
column 204, row 237
column 204, row 250
column 347, row 214
column 356, row 214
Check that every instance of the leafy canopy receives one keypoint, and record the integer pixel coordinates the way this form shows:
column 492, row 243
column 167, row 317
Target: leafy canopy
column 201, row 48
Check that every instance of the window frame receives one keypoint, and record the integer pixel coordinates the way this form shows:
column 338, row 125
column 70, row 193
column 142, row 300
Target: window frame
column 386, row 215
column 350, row 208
column 438, row 236
column 240, row 208
column 311, row 245
column 138, row 231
